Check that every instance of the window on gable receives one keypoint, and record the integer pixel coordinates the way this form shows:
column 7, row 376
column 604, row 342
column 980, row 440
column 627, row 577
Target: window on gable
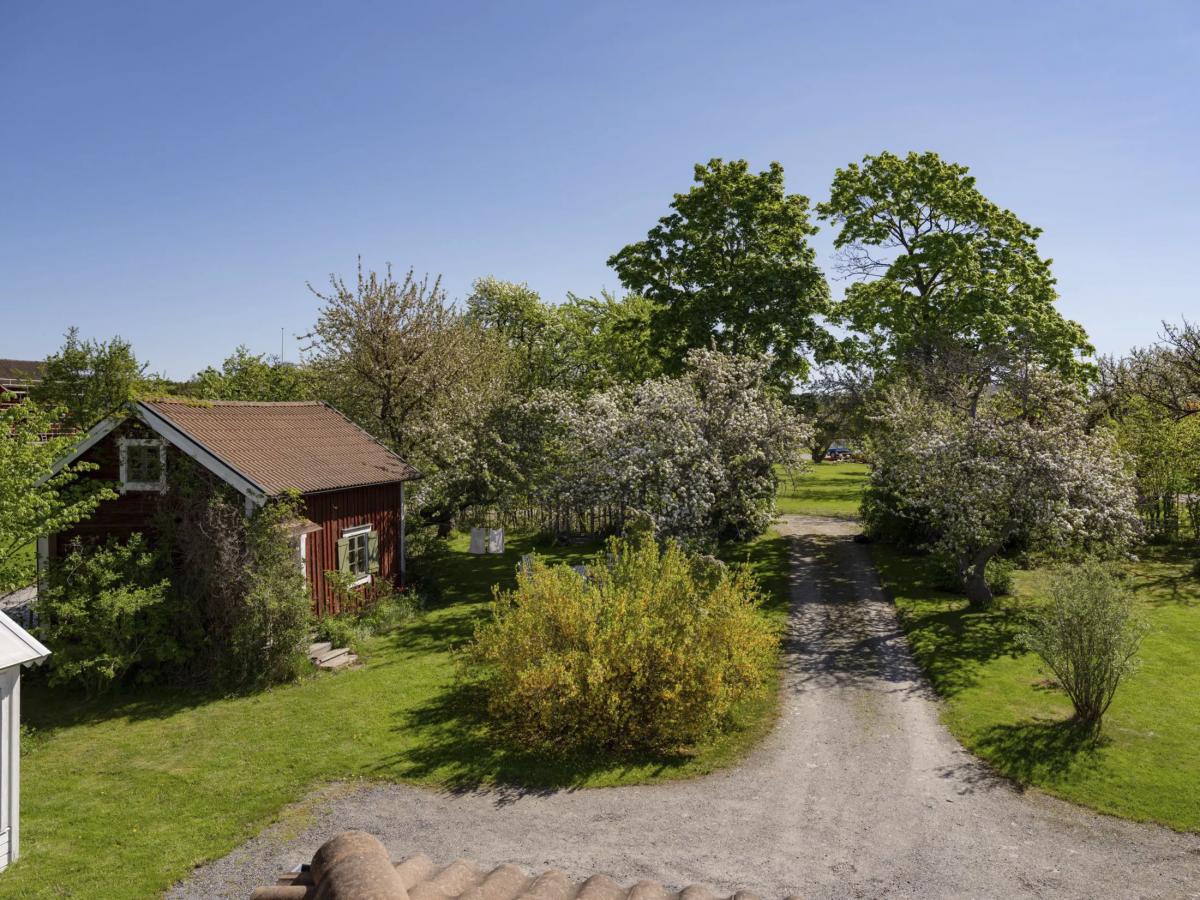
column 143, row 465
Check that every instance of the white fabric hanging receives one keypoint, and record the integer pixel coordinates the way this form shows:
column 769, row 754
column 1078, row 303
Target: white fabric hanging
column 477, row 541
column 495, row 540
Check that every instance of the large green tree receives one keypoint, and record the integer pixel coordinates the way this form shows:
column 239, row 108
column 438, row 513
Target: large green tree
column 731, row 267
column 580, row 345
column 253, row 376
column 88, row 379
column 948, row 285
column 35, row 499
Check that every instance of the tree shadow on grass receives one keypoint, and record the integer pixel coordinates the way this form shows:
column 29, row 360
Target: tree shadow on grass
column 949, row 639
column 456, row 745
column 1041, row 750
column 48, row 708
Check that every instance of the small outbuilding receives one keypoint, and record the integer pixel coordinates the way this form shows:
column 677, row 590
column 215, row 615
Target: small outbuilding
column 351, row 486
column 17, row 648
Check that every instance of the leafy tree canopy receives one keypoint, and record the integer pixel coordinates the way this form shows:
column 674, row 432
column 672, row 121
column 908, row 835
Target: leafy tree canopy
column 582, row 344
column 253, row 376
column 34, row 499
column 88, row 379
column 945, row 277
column 730, row 267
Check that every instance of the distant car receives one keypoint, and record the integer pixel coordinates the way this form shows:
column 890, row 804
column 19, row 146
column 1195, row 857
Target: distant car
column 838, row 454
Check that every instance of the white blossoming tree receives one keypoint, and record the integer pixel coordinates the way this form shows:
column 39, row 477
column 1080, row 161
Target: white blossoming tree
column 1016, row 469
column 696, row 453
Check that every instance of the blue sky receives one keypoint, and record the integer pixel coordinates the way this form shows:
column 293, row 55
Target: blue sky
column 175, row 172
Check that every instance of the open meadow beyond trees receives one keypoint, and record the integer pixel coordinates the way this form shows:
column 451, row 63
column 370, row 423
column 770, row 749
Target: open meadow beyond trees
column 124, row 794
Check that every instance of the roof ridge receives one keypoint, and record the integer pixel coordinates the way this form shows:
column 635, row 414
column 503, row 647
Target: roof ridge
column 192, row 401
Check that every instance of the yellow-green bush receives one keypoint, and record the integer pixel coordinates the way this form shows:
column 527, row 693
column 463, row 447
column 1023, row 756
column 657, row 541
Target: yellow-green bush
column 651, row 650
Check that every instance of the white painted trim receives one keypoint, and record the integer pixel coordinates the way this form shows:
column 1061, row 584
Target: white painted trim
column 95, row 435
column 159, row 486
column 354, row 531
column 403, row 541
column 304, row 555
column 14, row 802
column 19, row 647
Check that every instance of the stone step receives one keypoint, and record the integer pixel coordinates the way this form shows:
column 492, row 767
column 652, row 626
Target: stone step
column 340, row 662
column 324, row 659
column 315, row 650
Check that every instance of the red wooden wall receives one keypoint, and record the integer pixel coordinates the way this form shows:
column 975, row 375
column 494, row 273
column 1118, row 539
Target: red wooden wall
column 332, row 510
column 128, row 512
column 335, row 511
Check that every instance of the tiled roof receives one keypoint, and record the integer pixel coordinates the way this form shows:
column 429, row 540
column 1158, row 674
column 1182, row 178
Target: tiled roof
column 303, row 447
column 355, row 865
column 21, row 369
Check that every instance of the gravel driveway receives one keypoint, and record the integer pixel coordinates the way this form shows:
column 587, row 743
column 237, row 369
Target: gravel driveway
column 858, row 792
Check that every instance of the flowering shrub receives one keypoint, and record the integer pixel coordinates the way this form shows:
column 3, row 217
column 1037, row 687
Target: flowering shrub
column 975, row 484
column 652, row 650
column 697, row 452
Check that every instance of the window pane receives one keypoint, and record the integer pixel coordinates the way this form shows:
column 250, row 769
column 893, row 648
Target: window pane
column 358, row 552
column 142, row 464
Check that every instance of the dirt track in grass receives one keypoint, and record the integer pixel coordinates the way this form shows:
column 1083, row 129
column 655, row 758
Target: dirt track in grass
column 859, row 791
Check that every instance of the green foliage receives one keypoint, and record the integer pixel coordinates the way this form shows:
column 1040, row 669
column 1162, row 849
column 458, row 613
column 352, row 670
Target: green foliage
column 611, row 339
column 367, row 611
column 950, row 287
column 190, row 776
column 243, row 600
column 1165, row 453
column 87, row 380
column 107, row 613
column 268, row 630
column 1088, row 636
column 580, row 345
column 34, row 499
column 730, row 267
column 651, row 649
column 253, row 376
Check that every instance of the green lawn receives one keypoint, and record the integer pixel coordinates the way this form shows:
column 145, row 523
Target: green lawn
column 1147, row 762
column 823, row 489
column 121, row 797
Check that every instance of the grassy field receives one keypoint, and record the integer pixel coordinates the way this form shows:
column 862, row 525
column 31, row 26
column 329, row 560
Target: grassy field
column 122, row 796
column 824, row 489
column 1146, row 764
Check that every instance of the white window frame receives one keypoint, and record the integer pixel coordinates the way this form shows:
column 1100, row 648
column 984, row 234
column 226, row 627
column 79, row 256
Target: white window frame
column 126, row 484
column 355, row 532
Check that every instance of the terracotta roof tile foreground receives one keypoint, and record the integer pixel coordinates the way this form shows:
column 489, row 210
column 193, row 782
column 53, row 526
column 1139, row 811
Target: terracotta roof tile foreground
column 355, row 865
column 303, row 447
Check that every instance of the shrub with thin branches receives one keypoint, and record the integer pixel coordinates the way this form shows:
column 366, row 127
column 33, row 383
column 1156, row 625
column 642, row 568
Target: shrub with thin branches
column 1088, row 635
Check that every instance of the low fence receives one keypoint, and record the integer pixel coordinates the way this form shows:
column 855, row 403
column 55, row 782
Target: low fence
column 1171, row 517
column 559, row 520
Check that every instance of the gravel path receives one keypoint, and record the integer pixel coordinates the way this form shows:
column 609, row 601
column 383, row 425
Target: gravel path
column 858, row 792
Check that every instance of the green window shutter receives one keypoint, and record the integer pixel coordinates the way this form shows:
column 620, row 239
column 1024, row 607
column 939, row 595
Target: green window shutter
column 343, row 555
column 373, row 549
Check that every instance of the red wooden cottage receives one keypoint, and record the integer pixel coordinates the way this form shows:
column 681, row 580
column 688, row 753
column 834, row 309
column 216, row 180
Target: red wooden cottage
column 352, row 486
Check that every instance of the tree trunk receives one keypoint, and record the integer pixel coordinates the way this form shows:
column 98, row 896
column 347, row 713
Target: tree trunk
column 979, row 595
column 819, row 450
column 974, row 577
